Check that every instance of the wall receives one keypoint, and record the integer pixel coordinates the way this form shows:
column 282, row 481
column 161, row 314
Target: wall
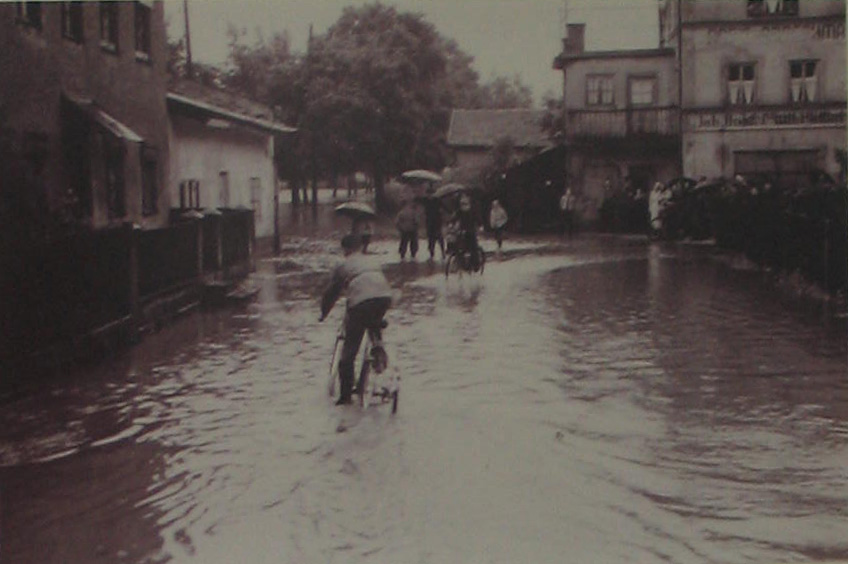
column 662, row 66
column 724, row 10
column 201, row 152
column 708, row 50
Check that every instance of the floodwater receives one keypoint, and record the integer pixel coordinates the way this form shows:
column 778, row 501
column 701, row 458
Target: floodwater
column 596, row 400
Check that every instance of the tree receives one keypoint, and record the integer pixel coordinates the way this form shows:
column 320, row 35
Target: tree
column 372, row 81
column 506, row 93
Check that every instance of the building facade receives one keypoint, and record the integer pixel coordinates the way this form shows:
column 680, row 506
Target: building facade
column 82, row 112
column 222, row 157
column 621, row 120
column 762, row 84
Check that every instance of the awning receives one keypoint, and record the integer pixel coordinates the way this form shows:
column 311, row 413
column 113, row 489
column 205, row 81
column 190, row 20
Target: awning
column 112, row 125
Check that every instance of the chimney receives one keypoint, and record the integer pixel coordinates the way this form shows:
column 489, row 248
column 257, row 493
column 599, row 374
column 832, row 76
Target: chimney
column 573, row 42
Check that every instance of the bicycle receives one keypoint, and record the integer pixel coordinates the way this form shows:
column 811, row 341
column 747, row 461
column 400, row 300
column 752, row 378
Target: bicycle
column 383, row 387
column 460, row 260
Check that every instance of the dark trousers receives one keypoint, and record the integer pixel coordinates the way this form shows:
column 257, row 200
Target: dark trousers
column 567, row 223
column 367, row 315
column 434, row 235
column 499, row 236
column 408, row 238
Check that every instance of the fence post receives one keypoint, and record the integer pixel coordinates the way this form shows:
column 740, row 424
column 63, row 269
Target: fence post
column 133, row 235
column 198, row 224
column 826, row 253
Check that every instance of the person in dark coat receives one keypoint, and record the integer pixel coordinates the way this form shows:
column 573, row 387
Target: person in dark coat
column 433, row 223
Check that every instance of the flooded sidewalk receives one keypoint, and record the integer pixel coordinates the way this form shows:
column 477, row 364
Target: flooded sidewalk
column 599, row 399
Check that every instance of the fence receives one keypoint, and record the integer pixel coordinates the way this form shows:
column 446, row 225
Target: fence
column 59, row 290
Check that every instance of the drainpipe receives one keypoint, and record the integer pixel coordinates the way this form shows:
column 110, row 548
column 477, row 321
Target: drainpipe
column 680, row 81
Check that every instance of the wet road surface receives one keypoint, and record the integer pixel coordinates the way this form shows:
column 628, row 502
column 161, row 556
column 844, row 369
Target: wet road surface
column 594, row 400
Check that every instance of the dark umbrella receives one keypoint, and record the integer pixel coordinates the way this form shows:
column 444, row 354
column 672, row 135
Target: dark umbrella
column 450, row 189
column 356, row 210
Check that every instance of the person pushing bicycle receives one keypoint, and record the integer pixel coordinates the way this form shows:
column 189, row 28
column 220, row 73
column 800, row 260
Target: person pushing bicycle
column 369, row 297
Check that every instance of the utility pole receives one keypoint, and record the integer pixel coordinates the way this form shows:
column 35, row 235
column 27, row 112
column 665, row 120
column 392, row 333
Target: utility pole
column 189, row 71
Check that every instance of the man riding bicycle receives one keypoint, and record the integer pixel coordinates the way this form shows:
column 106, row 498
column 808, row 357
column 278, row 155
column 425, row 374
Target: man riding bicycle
column 466, row 232
column 369, row 297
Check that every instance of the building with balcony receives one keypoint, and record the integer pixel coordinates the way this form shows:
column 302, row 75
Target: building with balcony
column 762, row 84
column 621, row 120
column 83, row 121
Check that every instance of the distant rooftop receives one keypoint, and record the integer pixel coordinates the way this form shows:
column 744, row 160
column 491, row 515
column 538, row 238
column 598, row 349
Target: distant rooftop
column 482, row 128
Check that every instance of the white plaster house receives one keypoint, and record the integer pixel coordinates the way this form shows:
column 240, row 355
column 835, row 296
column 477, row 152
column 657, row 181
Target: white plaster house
column 222, row 153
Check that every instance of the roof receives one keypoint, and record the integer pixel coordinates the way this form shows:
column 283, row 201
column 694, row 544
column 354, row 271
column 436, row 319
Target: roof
column 199, row 99
column 483, row 128
column 617, row 54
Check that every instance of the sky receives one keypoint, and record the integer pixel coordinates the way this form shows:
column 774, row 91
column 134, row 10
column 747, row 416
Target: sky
column 505, row 37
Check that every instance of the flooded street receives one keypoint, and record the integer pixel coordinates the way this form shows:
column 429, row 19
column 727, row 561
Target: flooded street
column 596, row 400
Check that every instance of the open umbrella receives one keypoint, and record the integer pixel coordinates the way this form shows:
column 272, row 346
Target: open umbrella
column 450, row 189
column 420, row 174
column 356, row 210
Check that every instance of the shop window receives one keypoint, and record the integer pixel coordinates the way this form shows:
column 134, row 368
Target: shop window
column 29, row 13
column 190, row 194
column 643, row 91
column 803, row 81
column 599, row 90
column 109, row 26
column 256, row 197
column 741, row 84
column 149, row 181
column 72, row 21
column 771, row 8
column 142, row 31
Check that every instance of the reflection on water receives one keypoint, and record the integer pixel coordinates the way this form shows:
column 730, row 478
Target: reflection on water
column 609, row 399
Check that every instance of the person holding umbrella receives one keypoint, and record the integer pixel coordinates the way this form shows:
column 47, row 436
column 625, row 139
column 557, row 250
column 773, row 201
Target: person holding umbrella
column 407, row 224
column 433, row 222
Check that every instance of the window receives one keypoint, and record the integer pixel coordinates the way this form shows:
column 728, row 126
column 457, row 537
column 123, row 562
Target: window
column 224, row 189
column 767, row 8
column 802, row 81
column 190, row 194
column 142, row 31
column 109, row 26
column 599, row 90
column 29, row 13
column 114, row 165
column 782, row 168
column 740, row 84
column 72, row 21
column 643, row 91
column 149, row 181
column 256, row 197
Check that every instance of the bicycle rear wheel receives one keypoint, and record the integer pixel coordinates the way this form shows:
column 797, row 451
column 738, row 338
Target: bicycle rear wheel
column 362, row 386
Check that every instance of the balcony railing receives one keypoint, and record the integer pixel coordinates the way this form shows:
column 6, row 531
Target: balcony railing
column 622, row 124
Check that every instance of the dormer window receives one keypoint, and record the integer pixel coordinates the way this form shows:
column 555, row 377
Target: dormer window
column 770, row 8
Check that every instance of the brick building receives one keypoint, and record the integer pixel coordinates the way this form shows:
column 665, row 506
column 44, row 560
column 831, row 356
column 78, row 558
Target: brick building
column 83, row 113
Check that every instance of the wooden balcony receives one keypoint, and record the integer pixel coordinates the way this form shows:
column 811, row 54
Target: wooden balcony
column 631, row 123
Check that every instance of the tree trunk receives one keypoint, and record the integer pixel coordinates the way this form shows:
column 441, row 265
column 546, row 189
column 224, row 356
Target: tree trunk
column 380, row 202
